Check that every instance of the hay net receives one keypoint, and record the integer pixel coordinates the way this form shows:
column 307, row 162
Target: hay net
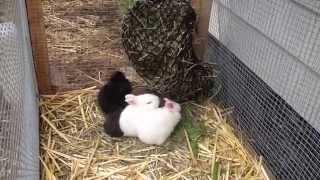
column 18, row 109
column 269, row 53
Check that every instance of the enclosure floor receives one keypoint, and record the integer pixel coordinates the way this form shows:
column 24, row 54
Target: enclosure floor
column 83, row 40
column 74, row 146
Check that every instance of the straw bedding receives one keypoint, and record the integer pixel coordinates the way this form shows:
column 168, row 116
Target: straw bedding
column 74, row 146
column 83, row 38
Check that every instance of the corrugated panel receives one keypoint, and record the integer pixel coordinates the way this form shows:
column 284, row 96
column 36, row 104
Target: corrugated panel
column 280, row 42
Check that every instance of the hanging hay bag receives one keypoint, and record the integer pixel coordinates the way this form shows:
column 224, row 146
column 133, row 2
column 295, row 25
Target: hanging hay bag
column 157, row 37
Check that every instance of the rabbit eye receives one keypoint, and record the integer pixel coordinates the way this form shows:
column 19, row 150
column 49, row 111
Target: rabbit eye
column 149, row 102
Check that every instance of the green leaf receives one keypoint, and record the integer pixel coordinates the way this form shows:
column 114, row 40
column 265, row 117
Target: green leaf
column 126, row 4
column 195, row 129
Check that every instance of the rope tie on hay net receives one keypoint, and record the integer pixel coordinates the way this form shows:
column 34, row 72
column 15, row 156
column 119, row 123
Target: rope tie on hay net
column 157, row 37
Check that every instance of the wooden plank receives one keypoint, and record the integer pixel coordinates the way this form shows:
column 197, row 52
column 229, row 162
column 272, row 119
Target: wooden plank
column 203, row 10
column 39, row 46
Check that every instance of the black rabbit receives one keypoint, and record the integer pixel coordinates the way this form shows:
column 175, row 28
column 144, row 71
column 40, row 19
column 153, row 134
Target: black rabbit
column 111, row 99
column 111, row 125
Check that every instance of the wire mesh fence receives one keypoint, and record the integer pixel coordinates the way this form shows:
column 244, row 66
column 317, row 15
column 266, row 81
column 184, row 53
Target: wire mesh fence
column 269, row 57
column 84, row 42
column 18, row 102
column 268, row 52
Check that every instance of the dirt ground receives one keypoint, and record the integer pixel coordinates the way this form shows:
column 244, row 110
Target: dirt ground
column 84, row 42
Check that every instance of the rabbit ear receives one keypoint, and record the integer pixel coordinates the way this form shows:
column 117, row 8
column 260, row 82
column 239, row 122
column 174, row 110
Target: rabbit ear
column 130, row 96
column 169, row 105
column 172, row 105
column 166, row 100
column 130, row 99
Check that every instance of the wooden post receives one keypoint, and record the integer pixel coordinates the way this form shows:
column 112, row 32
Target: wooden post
column 39, row 46
column 203, row 10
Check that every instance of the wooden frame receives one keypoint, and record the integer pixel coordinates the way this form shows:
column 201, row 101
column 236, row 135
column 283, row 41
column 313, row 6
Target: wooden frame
column 39, row 46
column 200, row 44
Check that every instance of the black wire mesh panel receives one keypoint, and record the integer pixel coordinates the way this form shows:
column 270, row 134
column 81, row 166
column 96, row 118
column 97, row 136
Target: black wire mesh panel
column 19, row 139
column 289, row 144
column 269, row 54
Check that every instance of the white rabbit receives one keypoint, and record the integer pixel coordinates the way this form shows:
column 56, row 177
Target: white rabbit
column 133, row 113
column 156, row 125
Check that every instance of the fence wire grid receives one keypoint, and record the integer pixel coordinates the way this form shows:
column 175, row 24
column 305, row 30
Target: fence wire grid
column 269, row 53
column 19, row 138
